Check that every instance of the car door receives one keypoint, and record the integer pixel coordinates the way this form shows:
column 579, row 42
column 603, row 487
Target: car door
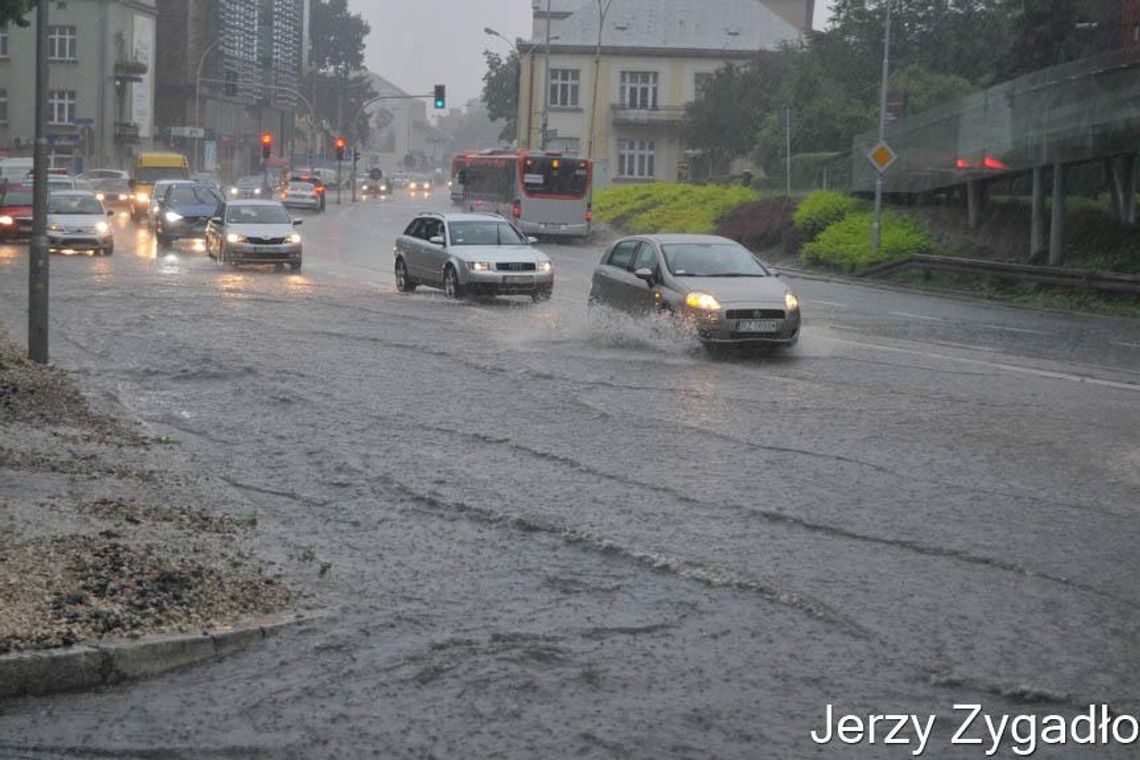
column 435, row 255
column 214, row 230
column 408, row 246
column 606, row 286
column 638, row 295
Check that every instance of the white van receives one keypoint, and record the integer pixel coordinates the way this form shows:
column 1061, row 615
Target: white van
column 15, row 169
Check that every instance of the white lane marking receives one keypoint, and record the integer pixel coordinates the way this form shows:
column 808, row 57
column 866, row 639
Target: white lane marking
column 1000, row 365
column 1014, row 329
column 828, row 303
column 908, row 315
column 1126, row 344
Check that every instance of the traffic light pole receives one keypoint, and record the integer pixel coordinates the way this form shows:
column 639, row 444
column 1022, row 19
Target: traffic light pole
column 38, row 250
column 338, row 182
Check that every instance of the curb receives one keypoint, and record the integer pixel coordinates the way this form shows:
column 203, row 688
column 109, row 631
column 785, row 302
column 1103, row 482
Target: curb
column 89, row 666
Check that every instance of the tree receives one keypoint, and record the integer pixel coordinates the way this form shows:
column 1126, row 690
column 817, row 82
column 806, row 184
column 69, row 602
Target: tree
column 13, row 11
column 715, row 125
column 336, row 80
column 338, row 37
column 501, row 92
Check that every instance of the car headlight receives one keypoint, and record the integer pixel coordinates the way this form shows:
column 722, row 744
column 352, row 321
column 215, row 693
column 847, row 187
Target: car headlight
column 122, row 196
column 173, row 216
column 293, row 238
column 7, row 221
column 257, row 191
column 545, row 266
column 702, row 301
column 450, row 183
column 102, row 228
column 54, row 227
column 233, row 237
column 383, row 188
column 233, row 191
column 791, row 301
column 479, row 266
column 142, row 197
column 100, row 197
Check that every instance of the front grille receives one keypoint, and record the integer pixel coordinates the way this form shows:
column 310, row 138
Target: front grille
column 754, row 314
column 265, row 240
column 516, row 266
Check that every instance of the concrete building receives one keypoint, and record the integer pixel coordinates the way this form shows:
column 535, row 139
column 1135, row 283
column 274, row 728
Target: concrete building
column 616, row 88
column 101, row 83
column 229, row 70
column 401, row 136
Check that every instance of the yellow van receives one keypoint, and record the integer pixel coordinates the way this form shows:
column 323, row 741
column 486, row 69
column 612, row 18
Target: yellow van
column 148, row 169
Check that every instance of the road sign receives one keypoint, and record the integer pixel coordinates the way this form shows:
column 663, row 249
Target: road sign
column 881, row 156
column 64, row 140
column 187, row 132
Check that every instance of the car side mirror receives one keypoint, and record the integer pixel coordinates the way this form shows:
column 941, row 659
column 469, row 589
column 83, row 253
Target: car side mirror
column 131, row 182
column 298, row 222
column 437, row 240
column 532, row 240
column 647, row 275
column 110, row 212
column 215, row 220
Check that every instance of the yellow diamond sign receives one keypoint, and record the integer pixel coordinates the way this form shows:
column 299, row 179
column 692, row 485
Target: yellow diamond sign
column 882, row 156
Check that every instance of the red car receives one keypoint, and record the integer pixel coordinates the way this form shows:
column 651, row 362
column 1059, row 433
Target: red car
column 15, row 211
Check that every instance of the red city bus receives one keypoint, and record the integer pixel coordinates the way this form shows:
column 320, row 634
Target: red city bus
column 546, row 193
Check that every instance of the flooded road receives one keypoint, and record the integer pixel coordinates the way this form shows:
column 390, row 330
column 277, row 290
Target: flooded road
column 538, row 535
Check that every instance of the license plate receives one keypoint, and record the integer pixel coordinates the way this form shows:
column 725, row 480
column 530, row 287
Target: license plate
column 265, row 249
column 516, row 281
column 757, row 326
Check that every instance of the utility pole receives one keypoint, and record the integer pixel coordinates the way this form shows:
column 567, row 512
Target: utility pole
column 788, row 150
column 38, row 250
column 546, row 85
column 602, row 11
column 876, row 224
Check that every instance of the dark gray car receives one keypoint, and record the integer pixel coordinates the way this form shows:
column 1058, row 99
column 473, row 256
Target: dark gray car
column 715, row 284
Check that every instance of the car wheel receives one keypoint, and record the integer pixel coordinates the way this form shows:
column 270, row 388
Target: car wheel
column 279, row 267
column 539, row 296
column 451, row 286
column 295, row 266
column 404, row 283
column 108, row 250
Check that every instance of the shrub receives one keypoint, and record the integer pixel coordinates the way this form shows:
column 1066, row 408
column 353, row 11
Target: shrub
column 846, row 244
column 760, row 225
column 669, row 207
column 821, row 209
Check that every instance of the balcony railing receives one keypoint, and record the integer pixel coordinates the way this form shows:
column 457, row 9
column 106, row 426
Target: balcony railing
column 662, row 115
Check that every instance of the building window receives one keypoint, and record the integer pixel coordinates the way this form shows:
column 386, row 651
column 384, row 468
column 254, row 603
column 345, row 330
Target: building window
column 4, row 41
column 61, row 107
column 567, row 145
column 3, row 106
column 564, row 88
column 637, row 158
column 639, row 89
column 61, row 43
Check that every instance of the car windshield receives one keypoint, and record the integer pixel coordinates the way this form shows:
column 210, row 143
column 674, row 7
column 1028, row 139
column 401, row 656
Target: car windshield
column 712, row 260
column 15, row 197
column 151, row 174
column 193, row 195
column 249, row 182
column 485, row 233
column 257, row 215
column 74, row 204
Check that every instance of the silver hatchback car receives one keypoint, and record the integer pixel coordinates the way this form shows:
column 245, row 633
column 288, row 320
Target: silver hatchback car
column 471, row 254
column 254, row 232
column 714, row 284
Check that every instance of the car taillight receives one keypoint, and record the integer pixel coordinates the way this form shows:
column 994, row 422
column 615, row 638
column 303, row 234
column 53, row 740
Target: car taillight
column 589, row 213
column 284, row 195
column 516, row 210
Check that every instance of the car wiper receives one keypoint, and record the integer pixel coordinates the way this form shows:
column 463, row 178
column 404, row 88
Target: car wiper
column 735, row 274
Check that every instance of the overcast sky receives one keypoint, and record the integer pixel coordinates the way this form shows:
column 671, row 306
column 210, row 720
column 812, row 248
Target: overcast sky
column 416, row 44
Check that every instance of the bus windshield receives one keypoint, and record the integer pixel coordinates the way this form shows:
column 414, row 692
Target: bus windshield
column 151, row 174
column 564, row 177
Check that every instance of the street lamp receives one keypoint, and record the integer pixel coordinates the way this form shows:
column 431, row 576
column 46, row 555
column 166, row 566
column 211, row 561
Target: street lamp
column 198, row 96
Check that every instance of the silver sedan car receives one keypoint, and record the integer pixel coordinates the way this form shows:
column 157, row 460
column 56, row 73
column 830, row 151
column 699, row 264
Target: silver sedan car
column 713, row 284
column 471, row 254
column 254, row 232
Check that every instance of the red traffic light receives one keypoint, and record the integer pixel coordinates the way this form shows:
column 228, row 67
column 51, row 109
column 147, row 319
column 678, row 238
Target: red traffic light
column 267, row 139
column 340, row 145
column 266, row 145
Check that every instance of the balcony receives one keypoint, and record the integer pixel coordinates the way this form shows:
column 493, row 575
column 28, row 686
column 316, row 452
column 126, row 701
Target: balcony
column 126, row 132
column 668, row 116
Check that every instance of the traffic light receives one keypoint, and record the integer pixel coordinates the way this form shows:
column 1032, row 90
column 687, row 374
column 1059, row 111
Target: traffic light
column 440, row 96
column 266, row 145
column 340, row 145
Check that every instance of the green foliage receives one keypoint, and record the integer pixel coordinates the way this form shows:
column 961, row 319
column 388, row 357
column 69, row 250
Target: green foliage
column 338, row 37
column 823, row 208
column 669, row 207
column 501, row 92
column 340, row 97
column 13, row 11
column 846, row 244
column 1096, row 239
column 922, row 89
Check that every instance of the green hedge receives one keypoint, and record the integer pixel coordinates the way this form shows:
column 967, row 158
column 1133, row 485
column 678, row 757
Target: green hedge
column 668, row 206
column 846, row 244
column 821, row 209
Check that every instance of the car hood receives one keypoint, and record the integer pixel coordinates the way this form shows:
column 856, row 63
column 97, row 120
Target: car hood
column 86, row 221
column 199, row 211
column 260, row 230
column 736, row 289
column 498, row 253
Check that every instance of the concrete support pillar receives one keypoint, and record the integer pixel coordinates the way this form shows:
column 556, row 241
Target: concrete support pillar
column 975, row 202
column 1128, row 189
column 1037, row 214
column 1057, row 222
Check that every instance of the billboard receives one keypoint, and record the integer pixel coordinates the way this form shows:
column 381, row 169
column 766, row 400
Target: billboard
column 142, row 93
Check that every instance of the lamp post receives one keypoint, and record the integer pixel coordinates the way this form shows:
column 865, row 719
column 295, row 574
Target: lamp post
column 198, row 96
column 38, row 250
column 602, row 11
column 546, row 81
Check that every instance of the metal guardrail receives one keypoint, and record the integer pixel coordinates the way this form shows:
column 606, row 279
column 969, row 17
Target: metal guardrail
column 1106, row 281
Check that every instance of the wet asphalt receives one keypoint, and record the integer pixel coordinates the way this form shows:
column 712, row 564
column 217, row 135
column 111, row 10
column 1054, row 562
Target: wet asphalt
column 546, row 536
